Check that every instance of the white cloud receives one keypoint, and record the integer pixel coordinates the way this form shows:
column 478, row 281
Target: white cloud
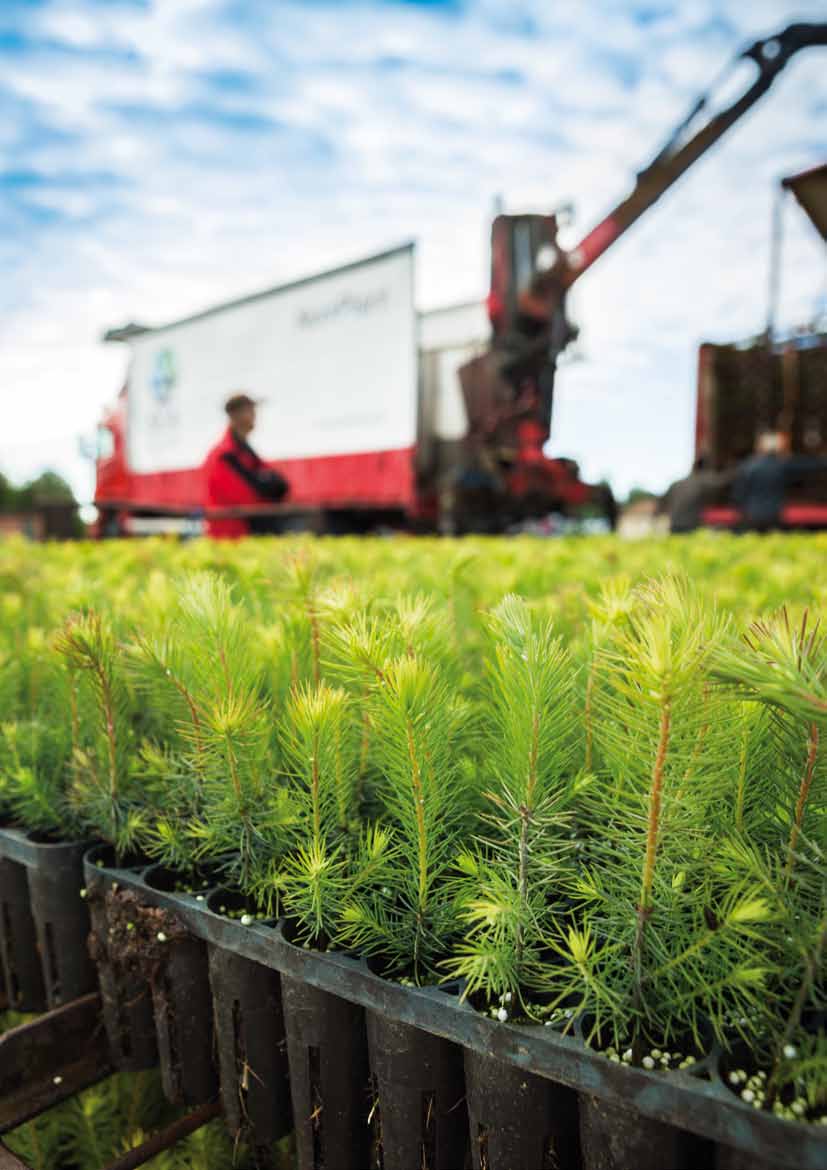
column 390, row 121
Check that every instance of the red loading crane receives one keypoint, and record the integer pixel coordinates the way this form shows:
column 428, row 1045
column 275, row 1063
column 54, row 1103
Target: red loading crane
column 508, row 390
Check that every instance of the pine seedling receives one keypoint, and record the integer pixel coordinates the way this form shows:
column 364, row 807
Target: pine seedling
column 35, row 760
column 356, row 648
column 242, row 811
column 90, row 1130
column 640, row 961
column 608, row 613
column 172, row 804
column 40, row 1143
column 101, row 791
column 163, row 664
column 411, row 626
column 320, row 753
column 287, row 641
column 303, row 622
column 36, row 752
column 805, row 926
column 166, row 667
column 783, row 666
column 409, row 919
column 529, row 760
column 749, row 803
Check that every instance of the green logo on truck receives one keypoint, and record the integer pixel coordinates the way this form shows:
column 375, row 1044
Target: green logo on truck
column 164, row 375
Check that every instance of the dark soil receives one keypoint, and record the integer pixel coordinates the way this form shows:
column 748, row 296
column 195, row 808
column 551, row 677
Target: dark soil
column 132, row 932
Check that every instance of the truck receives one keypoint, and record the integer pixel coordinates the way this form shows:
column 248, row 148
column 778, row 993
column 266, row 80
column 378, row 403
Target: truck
column 378, row 414
column 772, row 382
column 362, row 410
column 753, row 386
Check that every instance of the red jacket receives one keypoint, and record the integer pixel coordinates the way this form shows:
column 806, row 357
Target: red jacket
column 230, row 472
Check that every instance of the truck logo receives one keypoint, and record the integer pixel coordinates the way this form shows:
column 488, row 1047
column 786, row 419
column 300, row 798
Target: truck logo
column 164, row 376
column 348, row 304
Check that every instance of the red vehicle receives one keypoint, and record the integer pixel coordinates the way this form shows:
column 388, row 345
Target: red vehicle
column 769, row 383
column 362, row 398
column 758, row 386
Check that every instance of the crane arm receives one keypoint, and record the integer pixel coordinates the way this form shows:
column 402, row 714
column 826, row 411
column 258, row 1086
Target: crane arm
column 508, row 391
column 680, row 152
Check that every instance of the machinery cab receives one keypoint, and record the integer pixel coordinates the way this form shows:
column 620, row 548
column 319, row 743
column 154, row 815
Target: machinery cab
column 513, row 382
column 506, row 479
column 522, row 246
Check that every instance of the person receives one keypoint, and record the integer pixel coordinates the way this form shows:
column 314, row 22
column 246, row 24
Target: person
column 686, row 499
column 236, row 477
column 761, row 481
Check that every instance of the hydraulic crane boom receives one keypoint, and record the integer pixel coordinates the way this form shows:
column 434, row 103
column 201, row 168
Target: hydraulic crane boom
column 508, row 391
column 676, row 157
column 680, row 152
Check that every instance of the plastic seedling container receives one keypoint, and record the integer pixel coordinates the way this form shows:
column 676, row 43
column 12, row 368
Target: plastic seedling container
column 252, row 1046
column 53, row 872
column 614, row 1137
column 325, row 996
column 421, row 1093
column 61, row 919
column 19, row 956
column 183, row 1020
column 125, row 995
column 517, row 1120
column 327, row 1049
column 178, row 974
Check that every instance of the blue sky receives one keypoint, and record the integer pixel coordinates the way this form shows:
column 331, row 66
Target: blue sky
column 157, row 156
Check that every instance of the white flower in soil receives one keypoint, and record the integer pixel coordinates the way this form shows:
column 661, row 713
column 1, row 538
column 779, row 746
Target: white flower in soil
column 161, row 937
column 507, row 997
column 502, row 1015
column 648, row 1062
column 748, row 1096
column 246, row 919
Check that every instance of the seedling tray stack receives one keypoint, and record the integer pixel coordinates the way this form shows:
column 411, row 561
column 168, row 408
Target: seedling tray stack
column 371, row 1061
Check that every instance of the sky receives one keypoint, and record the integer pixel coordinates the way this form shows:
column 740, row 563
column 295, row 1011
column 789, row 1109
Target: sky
column 160, row 156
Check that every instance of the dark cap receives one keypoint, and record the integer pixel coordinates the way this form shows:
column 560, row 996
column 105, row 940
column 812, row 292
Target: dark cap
column 238, row 401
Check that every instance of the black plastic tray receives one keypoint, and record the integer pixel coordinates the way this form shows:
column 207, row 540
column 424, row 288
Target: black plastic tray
column 702, row 1105
column 54, row 874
